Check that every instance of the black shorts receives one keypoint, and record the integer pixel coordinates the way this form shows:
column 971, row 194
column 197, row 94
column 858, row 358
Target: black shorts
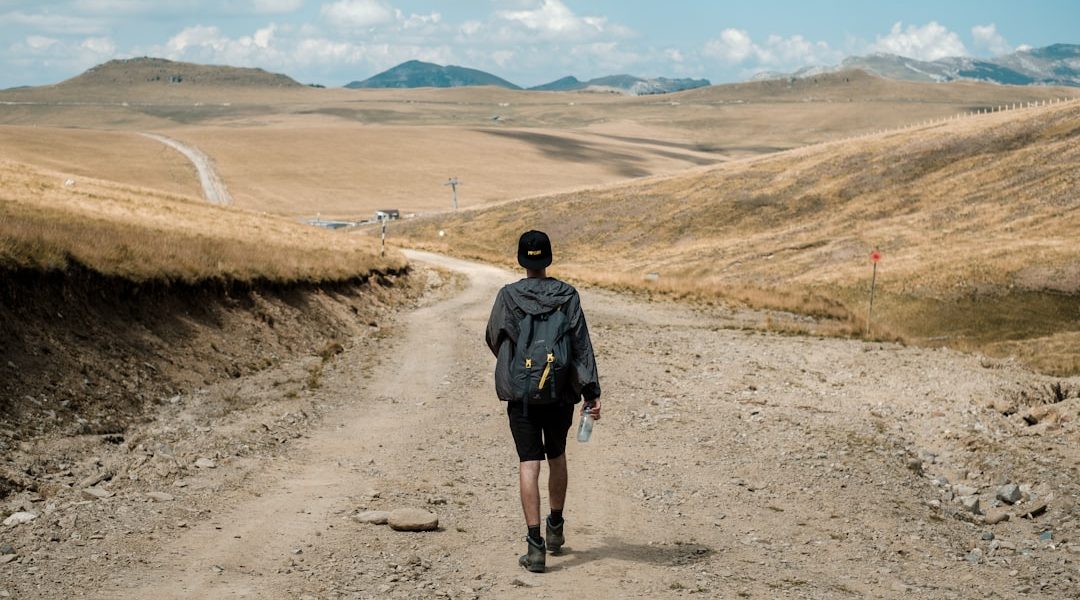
column 543, row 432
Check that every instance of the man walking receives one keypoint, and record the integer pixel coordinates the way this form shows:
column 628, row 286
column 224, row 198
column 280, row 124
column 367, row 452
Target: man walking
column 541, row 306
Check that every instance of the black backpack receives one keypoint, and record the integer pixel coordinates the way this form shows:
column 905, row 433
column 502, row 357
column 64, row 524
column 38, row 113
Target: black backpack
column 541, row 358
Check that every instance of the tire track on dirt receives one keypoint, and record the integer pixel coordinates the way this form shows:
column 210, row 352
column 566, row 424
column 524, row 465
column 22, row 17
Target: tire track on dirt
column 213, row 187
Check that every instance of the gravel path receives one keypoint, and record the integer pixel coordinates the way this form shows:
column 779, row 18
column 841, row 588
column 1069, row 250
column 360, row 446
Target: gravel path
column 730, row 463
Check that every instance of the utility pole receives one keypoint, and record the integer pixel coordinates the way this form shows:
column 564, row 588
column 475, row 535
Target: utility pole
column 384, row 220
column 453, row 183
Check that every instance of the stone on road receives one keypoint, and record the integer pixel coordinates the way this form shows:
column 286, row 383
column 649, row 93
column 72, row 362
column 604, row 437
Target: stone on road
column 412, row 519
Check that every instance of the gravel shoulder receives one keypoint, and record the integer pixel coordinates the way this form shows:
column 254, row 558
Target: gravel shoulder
column 729, row 463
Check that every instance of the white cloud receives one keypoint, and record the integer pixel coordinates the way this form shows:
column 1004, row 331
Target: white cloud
column 987, row 38
column 204, row 8
column 323, row 51
column 276, row 6
column 358, row 13
column 502, row 57
column 101, row 46
column 735, row 46
column 264, row 36
column 113, row 7
column 554, row 20
column 471, row 28
column 52, row 23
column 297, row 51
column 68, row 57
column 414, row 21
column 40, row 42
column 199, row 35
column 208, row 44
column 929, row 42
column 796, row 50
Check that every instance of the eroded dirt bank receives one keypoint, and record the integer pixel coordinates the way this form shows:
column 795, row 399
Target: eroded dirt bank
column 729, row 464
column 82, row 354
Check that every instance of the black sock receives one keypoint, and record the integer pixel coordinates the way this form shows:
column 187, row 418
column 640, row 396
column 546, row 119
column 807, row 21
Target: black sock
column 556, row 517
column 534, row 534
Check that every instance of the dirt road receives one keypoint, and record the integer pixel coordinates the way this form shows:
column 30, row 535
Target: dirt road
column 213, row 187
column 730, row 463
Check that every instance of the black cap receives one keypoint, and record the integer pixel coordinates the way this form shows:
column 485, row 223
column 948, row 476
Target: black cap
column 534, row 250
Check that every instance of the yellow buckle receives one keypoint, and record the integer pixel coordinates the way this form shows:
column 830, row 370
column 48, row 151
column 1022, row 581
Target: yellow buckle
column 547, row 371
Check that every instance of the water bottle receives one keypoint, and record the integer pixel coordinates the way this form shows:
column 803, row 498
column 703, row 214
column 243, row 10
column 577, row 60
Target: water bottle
column 585, row 427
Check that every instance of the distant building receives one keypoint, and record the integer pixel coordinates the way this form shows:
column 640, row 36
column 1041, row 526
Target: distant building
column 389, row 214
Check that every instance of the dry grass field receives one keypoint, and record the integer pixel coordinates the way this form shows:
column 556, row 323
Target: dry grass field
column 120, row 156
column 140, row 234
column 974, row 216
column 977, row 219
column 299, row 151
column 301, row 169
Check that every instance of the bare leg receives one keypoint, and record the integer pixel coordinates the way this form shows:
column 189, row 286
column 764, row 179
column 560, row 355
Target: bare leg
column 557, row 481
column 529, row 481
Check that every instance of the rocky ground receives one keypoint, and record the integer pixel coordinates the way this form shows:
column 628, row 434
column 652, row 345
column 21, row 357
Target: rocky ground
column 729, row 463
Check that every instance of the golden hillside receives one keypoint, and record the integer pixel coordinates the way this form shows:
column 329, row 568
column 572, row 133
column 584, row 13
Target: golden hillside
column 977, row 218
column 148, row 235
column 163, row 72
column 301, row 151
column 124, row 157
column 728, row 120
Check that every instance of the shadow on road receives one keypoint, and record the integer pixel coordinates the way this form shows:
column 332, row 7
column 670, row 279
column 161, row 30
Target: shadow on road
column 614, row 548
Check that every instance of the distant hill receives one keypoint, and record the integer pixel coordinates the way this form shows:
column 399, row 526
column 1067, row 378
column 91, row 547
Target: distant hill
column 1058, row 64
column 145, row 70
column 625, row 84
column 414, row 74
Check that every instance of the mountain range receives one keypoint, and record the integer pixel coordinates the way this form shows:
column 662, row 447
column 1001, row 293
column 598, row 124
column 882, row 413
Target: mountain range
column 625, row 84
column 415, row 73
column 1054, row 65
column 1058, row 64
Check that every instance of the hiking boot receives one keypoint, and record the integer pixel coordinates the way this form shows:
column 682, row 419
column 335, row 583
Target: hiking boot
column 535, row 560
column 555, row 539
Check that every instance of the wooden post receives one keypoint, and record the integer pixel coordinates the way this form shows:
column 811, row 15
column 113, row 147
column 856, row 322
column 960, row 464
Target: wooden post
column 870, row 309
column 875, row 256
column 384, row 220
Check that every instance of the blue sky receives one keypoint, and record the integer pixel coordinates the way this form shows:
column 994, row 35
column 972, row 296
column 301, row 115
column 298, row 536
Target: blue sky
column 529, row 42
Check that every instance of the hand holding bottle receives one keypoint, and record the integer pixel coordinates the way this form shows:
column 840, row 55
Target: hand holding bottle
column 593, row 406
column 589, row 413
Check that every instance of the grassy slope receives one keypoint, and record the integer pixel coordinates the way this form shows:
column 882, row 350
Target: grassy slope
column 302, row 151
column 147, row 235
column 978, row 220
column 123, row 157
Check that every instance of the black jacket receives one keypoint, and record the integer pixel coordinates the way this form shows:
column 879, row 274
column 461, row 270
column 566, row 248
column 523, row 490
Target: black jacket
column 537, row 296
